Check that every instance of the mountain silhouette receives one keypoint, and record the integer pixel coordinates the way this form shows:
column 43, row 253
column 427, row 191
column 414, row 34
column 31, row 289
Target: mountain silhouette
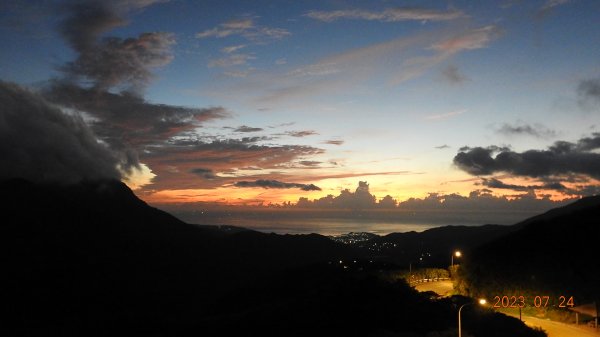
column 91, row 259
column 555, row 253
column 93, row 254
column 434, row 247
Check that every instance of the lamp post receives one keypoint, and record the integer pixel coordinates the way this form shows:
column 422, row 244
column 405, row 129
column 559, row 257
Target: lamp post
column 457, row 254
column 481, row 302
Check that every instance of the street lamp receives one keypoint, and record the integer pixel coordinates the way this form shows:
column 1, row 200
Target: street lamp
column 457, row 254
column 481, row 302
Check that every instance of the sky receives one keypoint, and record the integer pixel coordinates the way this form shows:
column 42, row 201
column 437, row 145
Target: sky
column 230, row 103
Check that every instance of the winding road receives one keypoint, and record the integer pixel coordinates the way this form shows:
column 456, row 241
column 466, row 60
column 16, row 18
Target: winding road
column 552, row 328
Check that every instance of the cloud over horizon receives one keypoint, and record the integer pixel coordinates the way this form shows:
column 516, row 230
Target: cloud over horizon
column 276, row 184
column 561, row 158
column 563, row 162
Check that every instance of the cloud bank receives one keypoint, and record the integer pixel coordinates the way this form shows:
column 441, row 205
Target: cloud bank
column 559, row 159
column 276, row 184
column 39, row 142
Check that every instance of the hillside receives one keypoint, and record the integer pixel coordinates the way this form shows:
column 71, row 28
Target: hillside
column 91, row 259
column 552, row 254
column 94, row 253
column 433, row 247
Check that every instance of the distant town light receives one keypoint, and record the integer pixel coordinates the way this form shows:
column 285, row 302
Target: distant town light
column 482, row 301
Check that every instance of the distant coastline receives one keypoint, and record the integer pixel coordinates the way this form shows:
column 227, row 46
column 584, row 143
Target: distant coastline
column 337, row 222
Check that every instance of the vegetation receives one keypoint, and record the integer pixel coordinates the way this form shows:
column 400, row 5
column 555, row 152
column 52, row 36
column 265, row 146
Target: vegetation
column 551, row 255
column 419, row 275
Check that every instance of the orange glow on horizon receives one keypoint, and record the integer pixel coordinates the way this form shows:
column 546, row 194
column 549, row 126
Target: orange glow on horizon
column 400, row 190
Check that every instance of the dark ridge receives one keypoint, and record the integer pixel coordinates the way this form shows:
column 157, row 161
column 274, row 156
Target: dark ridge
column 91, row 259
column 575, row 206
column 93, row 255
column 554, row 253
column 433, row 247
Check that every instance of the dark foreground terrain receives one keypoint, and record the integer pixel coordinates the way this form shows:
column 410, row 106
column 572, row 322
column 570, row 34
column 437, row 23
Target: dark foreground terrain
column 554, row 254
column 93, row 260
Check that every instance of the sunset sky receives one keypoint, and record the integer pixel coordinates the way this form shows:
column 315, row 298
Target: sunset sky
column 250, row 102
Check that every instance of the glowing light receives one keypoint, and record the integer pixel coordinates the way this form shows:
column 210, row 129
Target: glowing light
column 137, row 178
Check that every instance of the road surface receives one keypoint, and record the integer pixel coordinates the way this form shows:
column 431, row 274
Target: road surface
column 558, row 329
column 442, row 288
column 552, row 328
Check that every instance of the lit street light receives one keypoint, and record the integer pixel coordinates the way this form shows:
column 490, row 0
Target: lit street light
column 481, row 302
column 457, row 254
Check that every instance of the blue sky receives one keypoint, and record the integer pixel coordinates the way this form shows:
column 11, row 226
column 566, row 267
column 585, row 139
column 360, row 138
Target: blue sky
column 341, row 91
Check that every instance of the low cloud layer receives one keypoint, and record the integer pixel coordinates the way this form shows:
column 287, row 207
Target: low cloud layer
column 40, row 143
column 480, row 206
column 276, row 184
column 176, row 162
column 559, row 159
column 495, row 183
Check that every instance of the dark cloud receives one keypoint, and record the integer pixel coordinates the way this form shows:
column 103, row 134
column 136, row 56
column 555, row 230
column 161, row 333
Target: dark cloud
column 41, row 143
column 276, row 184
column 559, row 159
column 128, row 120
column 105, row 81
column 495, row 183
column 589, row 92
column 112, row 61
column 106, row 77
column 173, row 161
column 441, row 147
column 334, row 142
column 311, row 163
column 204, row 173
column 453, row 75
column 536, row 130
column 303, row 133
column 245, row 128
